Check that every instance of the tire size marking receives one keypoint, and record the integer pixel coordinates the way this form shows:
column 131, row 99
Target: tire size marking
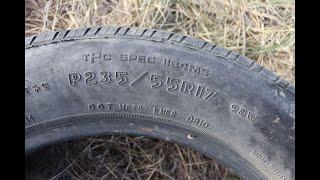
column 270, row 167
column 98, row 56
column 173, row 64
column 108, row 106
column 243, row 112
column 134, row 108
column 171, row 84
column 197, row 121
column 36, row 88
column 156, row 110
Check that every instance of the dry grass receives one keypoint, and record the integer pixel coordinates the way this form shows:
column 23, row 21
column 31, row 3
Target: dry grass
column 260, row 29
column 122, row 157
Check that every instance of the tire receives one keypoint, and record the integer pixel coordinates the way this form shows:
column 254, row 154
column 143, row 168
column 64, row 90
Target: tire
column 119, row 80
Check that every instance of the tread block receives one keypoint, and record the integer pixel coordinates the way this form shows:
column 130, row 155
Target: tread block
column 148, row 33
column 122, row 31
column 268, row 75
column 160, row 35
column 103, row 32
column 29, row 40
column 177, row 38
column 283, row 83
column 208, row 47
column 61, row 35
column 192, row 42
column 136, row 32
column 242, row 60
column 92, row 32
column 256, row 67
column 232, row 56
column 220, row 51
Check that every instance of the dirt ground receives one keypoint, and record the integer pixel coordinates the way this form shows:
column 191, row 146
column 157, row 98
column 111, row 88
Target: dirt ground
column 262, row 30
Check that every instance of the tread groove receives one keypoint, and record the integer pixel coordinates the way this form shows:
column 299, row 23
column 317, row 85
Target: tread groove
column 170, row 36
column 251, row 65
column 228, row 53
column 66, row 34
column 237, row 58
column 204, row 44
column 152, row 34
column 32, row 40
column 97, row 31
column 126, row 31
column 87, row 30
column 277, row 79
column 183, row 39
column 213, row 47
column 55, row 35
column 260, row 69
column 143, row 32
column 116, row 32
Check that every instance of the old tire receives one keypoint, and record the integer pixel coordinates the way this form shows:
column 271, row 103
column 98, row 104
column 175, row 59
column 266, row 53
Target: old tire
column 108, row 80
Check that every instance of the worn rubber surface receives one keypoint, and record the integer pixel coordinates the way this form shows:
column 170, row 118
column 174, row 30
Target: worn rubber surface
column 107, row 80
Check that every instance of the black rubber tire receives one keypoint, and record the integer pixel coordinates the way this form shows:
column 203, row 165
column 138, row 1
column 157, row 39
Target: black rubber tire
column 113, row 80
